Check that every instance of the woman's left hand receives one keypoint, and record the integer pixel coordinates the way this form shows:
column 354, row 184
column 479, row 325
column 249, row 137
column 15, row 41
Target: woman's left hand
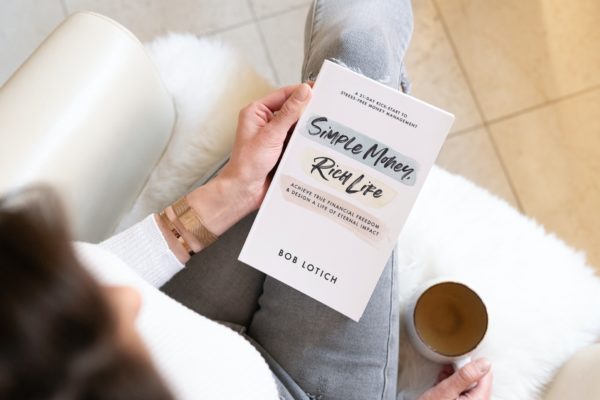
column 241, row 185
column 262, row 130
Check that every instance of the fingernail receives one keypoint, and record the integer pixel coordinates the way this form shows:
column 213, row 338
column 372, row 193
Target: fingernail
column 301, row 93
column 483, row 365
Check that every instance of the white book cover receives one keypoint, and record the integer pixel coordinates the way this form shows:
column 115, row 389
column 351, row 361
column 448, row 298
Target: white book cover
column 344, row 187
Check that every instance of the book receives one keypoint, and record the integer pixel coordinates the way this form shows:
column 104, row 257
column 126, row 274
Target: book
column 344, row 187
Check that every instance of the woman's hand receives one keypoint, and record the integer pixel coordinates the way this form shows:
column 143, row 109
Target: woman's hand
column 456, row 386
column 241, row 185
column 262, row 130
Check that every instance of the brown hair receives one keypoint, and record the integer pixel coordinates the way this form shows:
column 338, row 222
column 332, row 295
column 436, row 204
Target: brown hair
column 58, row 335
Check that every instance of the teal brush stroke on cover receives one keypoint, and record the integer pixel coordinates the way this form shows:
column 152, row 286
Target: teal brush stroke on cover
column 373, row 154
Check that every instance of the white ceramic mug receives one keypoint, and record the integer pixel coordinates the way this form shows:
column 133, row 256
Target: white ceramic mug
column 446, row 321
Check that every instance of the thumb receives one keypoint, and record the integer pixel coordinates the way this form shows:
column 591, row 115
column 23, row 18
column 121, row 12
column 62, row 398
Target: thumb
column 289, row 113
column 460, row 381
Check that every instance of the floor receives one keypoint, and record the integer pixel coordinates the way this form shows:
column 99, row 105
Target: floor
column 522, row 77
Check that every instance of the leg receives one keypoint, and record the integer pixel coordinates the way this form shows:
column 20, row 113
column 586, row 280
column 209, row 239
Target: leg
column 218, row 286
column 368, row 36
column 327, row 354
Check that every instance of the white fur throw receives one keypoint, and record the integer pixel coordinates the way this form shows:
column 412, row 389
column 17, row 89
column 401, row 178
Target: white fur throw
column 540, row 293
column 210, row 82
column 542, row 298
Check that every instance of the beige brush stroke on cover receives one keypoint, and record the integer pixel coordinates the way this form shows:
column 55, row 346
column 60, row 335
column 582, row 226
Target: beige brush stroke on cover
column 362, row 224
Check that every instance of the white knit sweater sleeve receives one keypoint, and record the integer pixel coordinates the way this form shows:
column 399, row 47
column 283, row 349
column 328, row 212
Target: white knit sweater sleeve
column 146, row 251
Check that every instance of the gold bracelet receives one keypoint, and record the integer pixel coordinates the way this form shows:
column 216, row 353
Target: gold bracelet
column 175, row 232
column 193, row 223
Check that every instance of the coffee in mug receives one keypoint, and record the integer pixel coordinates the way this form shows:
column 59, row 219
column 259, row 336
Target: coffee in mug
column 447, row 321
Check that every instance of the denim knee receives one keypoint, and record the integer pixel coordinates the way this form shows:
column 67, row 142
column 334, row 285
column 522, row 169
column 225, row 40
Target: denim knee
column 366, row 51
column 369, row 37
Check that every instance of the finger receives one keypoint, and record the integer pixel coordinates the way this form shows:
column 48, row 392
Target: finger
column 275, row 100
column 444, row 373
column 277, row 129
column 441, row 376
column 448, row 368
column 461, row 380
column 483, row 390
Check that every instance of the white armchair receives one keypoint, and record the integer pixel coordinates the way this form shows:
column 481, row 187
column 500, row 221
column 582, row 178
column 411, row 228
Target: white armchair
column 89, row 114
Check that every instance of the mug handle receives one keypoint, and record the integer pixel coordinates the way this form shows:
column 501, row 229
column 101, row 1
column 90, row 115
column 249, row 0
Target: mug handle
column 461, row 362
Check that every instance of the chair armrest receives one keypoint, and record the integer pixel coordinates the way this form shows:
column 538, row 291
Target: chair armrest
column 87, row 114
column 578, row 378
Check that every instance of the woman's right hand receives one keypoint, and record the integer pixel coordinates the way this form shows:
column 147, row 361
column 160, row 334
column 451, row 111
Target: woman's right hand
column 456, row 386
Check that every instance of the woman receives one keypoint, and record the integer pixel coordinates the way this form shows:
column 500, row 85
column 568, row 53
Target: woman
column 65, row 336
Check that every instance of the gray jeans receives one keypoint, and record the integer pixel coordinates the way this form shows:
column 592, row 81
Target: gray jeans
column 313, row 351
